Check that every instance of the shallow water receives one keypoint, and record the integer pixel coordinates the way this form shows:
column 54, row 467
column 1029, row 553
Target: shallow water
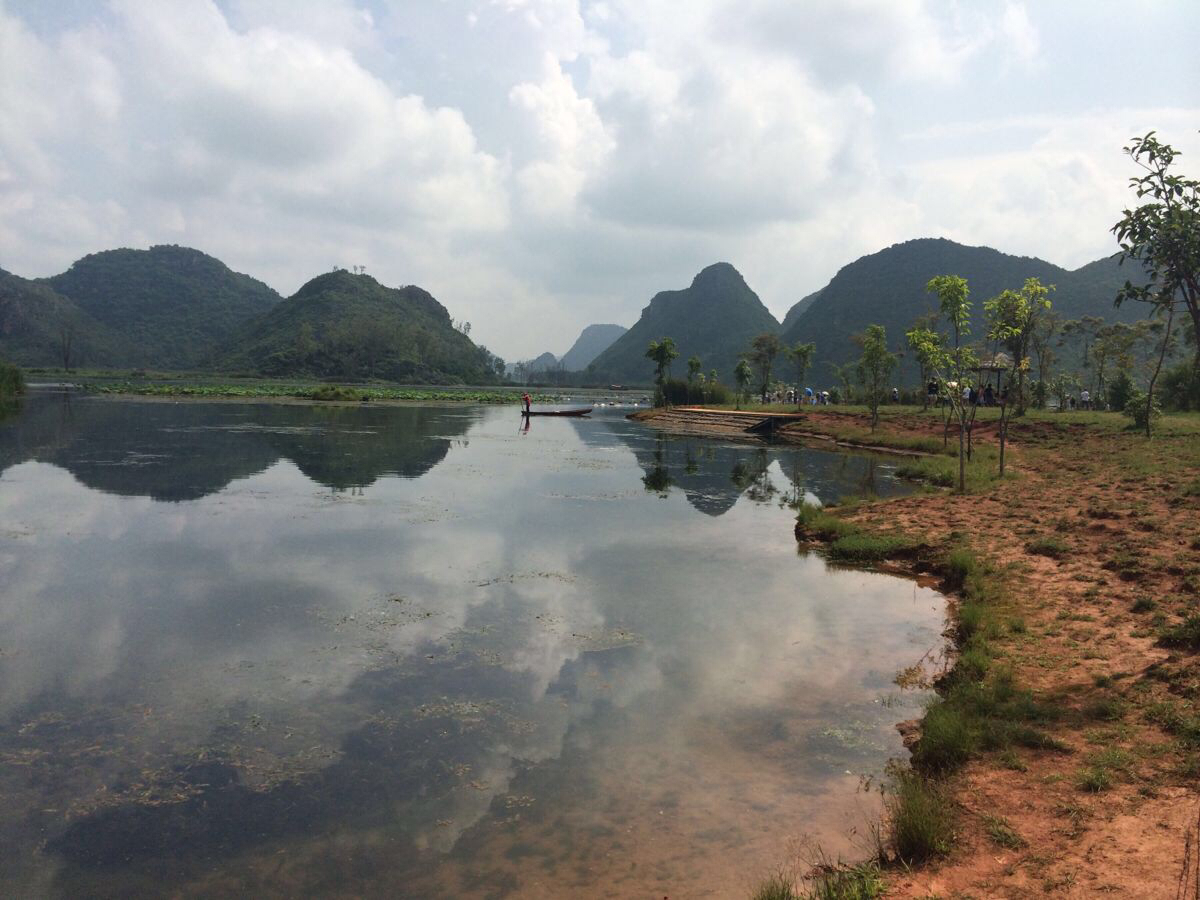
column 416, row 651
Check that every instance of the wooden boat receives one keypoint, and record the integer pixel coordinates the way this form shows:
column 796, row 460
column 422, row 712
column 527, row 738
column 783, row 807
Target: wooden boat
column 558, row 412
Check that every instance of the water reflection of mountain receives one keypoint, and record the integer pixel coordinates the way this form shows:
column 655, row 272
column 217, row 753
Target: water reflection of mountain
column 713, row 475
column 184, row 451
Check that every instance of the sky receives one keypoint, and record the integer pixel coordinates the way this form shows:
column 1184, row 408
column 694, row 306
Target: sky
column 540, row 165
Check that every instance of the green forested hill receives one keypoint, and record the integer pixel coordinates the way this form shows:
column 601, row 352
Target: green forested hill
column 173, row 305
column 888, row 288
column 715, row 318
column 36, row 323
column 341, row 325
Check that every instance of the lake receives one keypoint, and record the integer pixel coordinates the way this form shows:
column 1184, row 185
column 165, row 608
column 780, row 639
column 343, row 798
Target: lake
column 290, row 650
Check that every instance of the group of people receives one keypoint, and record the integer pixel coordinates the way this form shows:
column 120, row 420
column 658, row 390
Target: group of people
column 971, row 394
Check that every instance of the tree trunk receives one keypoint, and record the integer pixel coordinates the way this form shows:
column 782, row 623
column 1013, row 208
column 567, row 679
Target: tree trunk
column 1003, row 434
column 1158, row 368
column 962, row 454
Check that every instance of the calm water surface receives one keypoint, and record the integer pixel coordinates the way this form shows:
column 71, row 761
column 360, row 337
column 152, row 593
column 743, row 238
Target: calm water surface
column 415, row 651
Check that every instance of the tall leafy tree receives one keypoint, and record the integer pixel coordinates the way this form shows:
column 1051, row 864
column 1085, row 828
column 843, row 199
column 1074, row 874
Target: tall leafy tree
column 743, row 375
column 763, row 350
column 694, row 366
column 662, row 352
column 802, row 356
column 874, row 367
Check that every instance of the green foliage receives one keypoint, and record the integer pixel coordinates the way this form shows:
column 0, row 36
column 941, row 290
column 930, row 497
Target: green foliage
column 874, row 367
column 1181, row 388
column 802, row 356
column 743, row 374
column 1002, row 833
column 815, row 523
column 1162, row 232
column 763, row 350
column 350, row 327
column 662, row 352
column 687, row 393
column 714, row 319
column 1142, row 413
column 920, row 818
column 12, row 382
column 1120, row 390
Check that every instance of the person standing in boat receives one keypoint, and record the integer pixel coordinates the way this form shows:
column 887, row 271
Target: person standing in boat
column 526, row 399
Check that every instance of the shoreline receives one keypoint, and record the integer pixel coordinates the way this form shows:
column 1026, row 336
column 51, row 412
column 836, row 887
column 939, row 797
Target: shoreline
column 1104, row 801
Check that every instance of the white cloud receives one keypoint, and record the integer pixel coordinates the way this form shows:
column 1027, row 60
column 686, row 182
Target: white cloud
column 542, row 164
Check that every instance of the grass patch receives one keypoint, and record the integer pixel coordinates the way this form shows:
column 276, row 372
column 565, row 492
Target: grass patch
column 816, row 523
column 1053, row 547
column 1184, row 636
column 861, row 882
column 868, row 548
column 775, row 887
column 1093, row 780
column 920, row 818
column 1002, row 833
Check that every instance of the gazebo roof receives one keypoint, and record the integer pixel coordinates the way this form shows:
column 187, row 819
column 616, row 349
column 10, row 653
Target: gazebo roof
column 1000, row 362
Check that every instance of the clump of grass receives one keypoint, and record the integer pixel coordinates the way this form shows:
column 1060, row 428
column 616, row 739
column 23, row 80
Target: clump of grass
column 1002, row 833
column 1017, row 625
column 1093, row 780
column 959, row 567
column 1184, row 636
column 1105, row 709
column 1051, row 546
column 860, row 882
column 1143, row 604
column 816, row 523
column 333, row 392
column 776, row 887
column 867, row 548
column 946, row 739
column 1173, row 720
column 920, row 818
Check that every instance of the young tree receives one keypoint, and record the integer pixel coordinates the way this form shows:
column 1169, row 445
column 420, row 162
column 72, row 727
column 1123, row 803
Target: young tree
column 925, row 323
column 694, row 367
column 1041, row 339
column 763, row 350
column 801, row 355
column 1010, row 318
column 662, row 352
column 951, row 365
column 1164, row 236
column 874, row 367
column 66, row 340
column 742, row 374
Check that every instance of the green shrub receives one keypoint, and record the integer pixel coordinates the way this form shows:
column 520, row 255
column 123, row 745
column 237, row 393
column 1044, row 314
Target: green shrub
column 12, row 382
column 815, row 523
column 1181, row 388
column 1120, row 389
column 1136, row 409
column 1093, row 779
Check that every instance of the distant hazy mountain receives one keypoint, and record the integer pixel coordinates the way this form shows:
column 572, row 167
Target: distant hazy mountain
column 173, row 305
column 36, row 322
column 348, row 326
column 592, row 341
column 888, row 288
column 543, row 363
column 715, row 318
column 801, row 306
